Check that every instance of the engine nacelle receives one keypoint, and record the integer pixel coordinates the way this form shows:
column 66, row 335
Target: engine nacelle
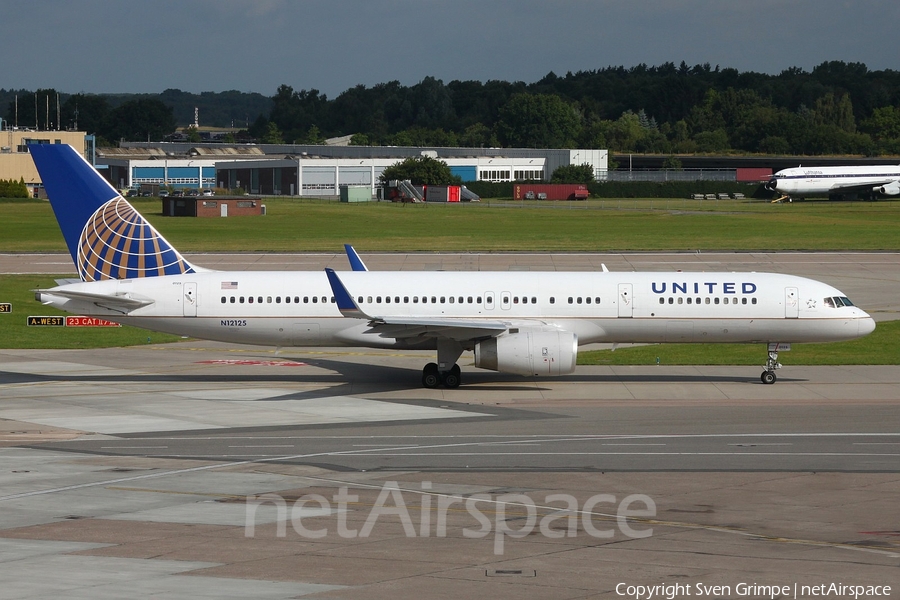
column 890, row 189
column 528, row 353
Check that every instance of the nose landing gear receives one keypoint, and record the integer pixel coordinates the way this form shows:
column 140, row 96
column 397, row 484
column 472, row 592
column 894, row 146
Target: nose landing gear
column 768, row 376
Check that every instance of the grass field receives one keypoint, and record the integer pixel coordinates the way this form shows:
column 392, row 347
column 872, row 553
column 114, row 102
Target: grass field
column 592, row 226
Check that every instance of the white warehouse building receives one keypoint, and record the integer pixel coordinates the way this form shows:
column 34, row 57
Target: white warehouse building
column 294, row 170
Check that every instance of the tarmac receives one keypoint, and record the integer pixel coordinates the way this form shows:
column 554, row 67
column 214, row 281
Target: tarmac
column 208, row 470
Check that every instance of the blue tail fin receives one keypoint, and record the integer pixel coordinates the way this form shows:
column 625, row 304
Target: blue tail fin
column 106, row 236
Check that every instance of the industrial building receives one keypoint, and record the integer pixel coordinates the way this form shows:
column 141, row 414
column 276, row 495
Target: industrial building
column 15, row 161
column 295, row 170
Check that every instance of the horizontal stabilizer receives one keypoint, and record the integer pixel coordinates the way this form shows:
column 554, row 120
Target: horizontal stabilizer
column 124, row 303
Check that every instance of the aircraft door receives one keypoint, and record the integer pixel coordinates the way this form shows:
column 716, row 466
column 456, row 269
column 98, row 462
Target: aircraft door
column 791, row 303
column 625, row 301
column 505, row 300
column 189, row 299
column 489, row 300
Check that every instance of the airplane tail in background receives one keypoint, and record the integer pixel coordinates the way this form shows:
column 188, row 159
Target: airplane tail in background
column 106, row 236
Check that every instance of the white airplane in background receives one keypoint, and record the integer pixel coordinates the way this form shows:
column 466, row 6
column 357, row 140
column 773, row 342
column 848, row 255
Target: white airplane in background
column 524, row 323
column 799, row 182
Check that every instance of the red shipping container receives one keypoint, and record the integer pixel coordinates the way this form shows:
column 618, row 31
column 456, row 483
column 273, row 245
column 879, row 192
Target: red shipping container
column 751, row 174
column 550, row 191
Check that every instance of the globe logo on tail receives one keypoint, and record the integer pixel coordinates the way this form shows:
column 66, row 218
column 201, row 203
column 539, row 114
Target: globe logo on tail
column 117, row 243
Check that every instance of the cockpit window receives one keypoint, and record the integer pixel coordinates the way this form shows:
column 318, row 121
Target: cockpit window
column 837, row 302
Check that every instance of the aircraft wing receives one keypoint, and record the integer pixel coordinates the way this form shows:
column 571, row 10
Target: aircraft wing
column 409, row 327
column 123, row 304
column 862, row 186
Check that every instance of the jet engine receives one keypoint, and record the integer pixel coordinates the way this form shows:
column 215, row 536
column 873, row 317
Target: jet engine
column 543, row 353
column 890, row 189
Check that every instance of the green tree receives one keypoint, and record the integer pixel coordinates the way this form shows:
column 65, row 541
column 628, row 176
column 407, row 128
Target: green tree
column 193, row 134
column 272, row 134
column 141, row 120
column 421, row 170
column 538, row 121
column 573, row 174
column 86, row 112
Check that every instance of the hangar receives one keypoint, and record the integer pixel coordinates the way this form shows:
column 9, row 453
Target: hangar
column 305, row 170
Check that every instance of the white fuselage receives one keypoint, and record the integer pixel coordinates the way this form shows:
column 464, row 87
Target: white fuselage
column 297, row 308
column 799, row 181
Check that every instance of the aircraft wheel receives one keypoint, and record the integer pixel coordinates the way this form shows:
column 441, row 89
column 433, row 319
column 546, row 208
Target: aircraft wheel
column 452, row 377
column 767, row 377
column 431, row 378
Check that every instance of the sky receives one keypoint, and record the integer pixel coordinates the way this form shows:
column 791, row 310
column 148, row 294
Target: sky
column 108, row 46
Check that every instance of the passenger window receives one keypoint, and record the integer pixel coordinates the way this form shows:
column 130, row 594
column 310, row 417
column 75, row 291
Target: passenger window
column 415, row 299
column 516, row 300
column 268, row 299
column 534, row 300
column 277, row 299
column 743, row 301
column 224, row 300
column 451, row 299
column 369, row 299
column 478, row 300
column 461, row 300
column 397, row 299
column 597, row 300
column 231, row 300
column 716, row 301
column 443, row 300
column 305, row 299
column 259, row 299
column 359, row 300
column 470, row 299
column 662, row 300
column 387, row 299
column 296, row 299
column 689, row 300
column 571, row 300
column 315, row 299
column 579, row 300
column 287, row 299
column 680, row 300
column 505, row 299
column 332, row 300
column 424, row 300
column 587, row 300
column 433, row 300
column 707, row 301
column 241, row 300
column 378, row 300
column 671, row 300
column 250, row 299
column 405, row 299
column 552, row 300
column 753, row 301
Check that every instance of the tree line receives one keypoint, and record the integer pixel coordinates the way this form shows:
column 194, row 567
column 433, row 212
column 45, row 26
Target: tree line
column 836, row 108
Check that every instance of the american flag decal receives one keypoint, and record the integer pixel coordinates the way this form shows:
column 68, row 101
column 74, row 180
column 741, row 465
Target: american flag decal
column 229, row 285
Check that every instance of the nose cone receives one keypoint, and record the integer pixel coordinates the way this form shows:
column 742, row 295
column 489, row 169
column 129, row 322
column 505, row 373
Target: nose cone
column 866, row 325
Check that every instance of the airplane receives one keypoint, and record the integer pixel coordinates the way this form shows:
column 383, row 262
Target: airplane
column 525, row 323
column 835, row 181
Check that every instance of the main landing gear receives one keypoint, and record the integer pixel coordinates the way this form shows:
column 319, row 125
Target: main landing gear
column 768, row 376
column 445, row 372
